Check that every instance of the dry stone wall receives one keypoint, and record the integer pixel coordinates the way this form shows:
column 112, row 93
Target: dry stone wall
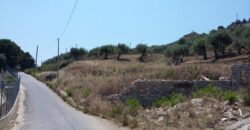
column 146, row 91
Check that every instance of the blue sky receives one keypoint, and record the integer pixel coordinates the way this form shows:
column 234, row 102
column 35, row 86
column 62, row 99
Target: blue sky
column 96, row 22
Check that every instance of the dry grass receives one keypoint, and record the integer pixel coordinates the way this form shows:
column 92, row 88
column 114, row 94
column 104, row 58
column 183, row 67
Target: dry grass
column 88, row 82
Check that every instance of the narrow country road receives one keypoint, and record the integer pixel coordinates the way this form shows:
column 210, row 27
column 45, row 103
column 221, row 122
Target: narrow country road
column 44, row 110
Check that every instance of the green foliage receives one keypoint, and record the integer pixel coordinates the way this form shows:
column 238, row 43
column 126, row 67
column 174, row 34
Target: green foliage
column 116, row 110
column 86, row 92
column 133, row 105
column 230, row 96
column 9, row 79
column 158, row 49
column 77, row 52
column 107, row 49
column 69, row 92
column 172, row 100
column 143, row 50
column 3, row 62
column 194, row 71
column 246, row 97
column 170, row 73
column 27, row 61
column 14, row 55
column 175, row 51
column 94, row 52
column 208, row 91
column 200, row 46
column 219, row 41
column 122, row 49
column 53, row 66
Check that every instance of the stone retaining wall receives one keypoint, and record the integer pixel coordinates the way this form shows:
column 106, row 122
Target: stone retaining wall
column 146, row 91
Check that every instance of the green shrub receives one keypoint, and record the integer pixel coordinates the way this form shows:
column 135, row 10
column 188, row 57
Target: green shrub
column 86, row 92
column 116, row 110
column 69, row 92
column 169, row 73
column 172, row 100
column 133, row 105
column 193, row 70
column 246, row 98
column 231, row 96
column 9, row 79
column 208, row 91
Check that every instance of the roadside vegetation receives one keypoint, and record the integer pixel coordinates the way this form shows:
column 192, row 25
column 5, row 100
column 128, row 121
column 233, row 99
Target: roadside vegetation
column 88, row 78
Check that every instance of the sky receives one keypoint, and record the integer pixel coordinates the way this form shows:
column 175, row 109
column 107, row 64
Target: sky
column 97, row 22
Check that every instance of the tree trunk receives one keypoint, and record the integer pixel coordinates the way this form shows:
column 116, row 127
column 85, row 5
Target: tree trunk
column 239, row 52
column 119, row 55
column 216, row 54
column 141, row 58
column 205, row 55
column 106, row 56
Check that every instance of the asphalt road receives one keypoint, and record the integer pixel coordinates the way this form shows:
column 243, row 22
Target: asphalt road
column 44, row 110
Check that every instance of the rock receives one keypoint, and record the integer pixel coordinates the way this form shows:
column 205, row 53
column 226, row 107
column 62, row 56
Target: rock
column 197, row 102
column 223, row 119
column 246, row 116
column 161, row 112
column 199, row 110
column 223, row 78
column 226, row 103
column 228, row 114
column 233, row 119
column 160, row 119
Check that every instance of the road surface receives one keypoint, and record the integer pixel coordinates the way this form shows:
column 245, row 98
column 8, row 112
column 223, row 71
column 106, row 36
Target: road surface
column 44, row 110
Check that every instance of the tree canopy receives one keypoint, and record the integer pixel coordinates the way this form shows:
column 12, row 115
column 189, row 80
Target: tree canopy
column 15, row 56
column 106, row 50
column 143, row 50
column 122, row 49
column 76, row 53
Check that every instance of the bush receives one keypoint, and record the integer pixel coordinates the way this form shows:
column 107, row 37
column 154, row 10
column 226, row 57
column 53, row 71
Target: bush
column 9, row 79
column 116, row 110
column 246, row 98
column 169, row 73
column 193, row 70
column 69, row 92
column 172, row 100
column 86, row 92
column 208, row 91
column 230, row 96
column 133, row 105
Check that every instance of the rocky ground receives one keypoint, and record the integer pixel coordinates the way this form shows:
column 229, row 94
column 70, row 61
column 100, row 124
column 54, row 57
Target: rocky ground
column 200, row 113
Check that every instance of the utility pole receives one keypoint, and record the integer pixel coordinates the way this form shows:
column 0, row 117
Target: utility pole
column 36, row 53
column 58, row 45
column 237, row 18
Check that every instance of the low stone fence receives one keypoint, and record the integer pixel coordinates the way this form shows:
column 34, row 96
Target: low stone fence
column 146, row 91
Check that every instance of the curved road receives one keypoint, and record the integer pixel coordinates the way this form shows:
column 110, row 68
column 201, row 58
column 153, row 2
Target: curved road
column 44, row 110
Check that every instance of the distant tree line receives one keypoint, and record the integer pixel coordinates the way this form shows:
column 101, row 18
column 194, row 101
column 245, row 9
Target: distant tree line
column 12, row 55
column 222, row 42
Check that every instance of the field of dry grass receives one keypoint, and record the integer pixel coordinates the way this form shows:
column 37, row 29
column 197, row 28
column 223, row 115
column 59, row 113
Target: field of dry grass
column 87, row 83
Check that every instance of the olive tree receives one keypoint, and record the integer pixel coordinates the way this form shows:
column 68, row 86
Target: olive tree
column 106, row 50
column 200, row 47
column 143, row 50
column 219, row 41
column 122, row 49
column 175, row 51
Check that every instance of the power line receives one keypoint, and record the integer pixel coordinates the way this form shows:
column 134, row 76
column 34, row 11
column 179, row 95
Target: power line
column 70, row 17
column 66, row 26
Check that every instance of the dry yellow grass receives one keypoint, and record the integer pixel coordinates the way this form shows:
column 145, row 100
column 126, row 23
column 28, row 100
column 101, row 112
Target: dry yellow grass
column 89, row 82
